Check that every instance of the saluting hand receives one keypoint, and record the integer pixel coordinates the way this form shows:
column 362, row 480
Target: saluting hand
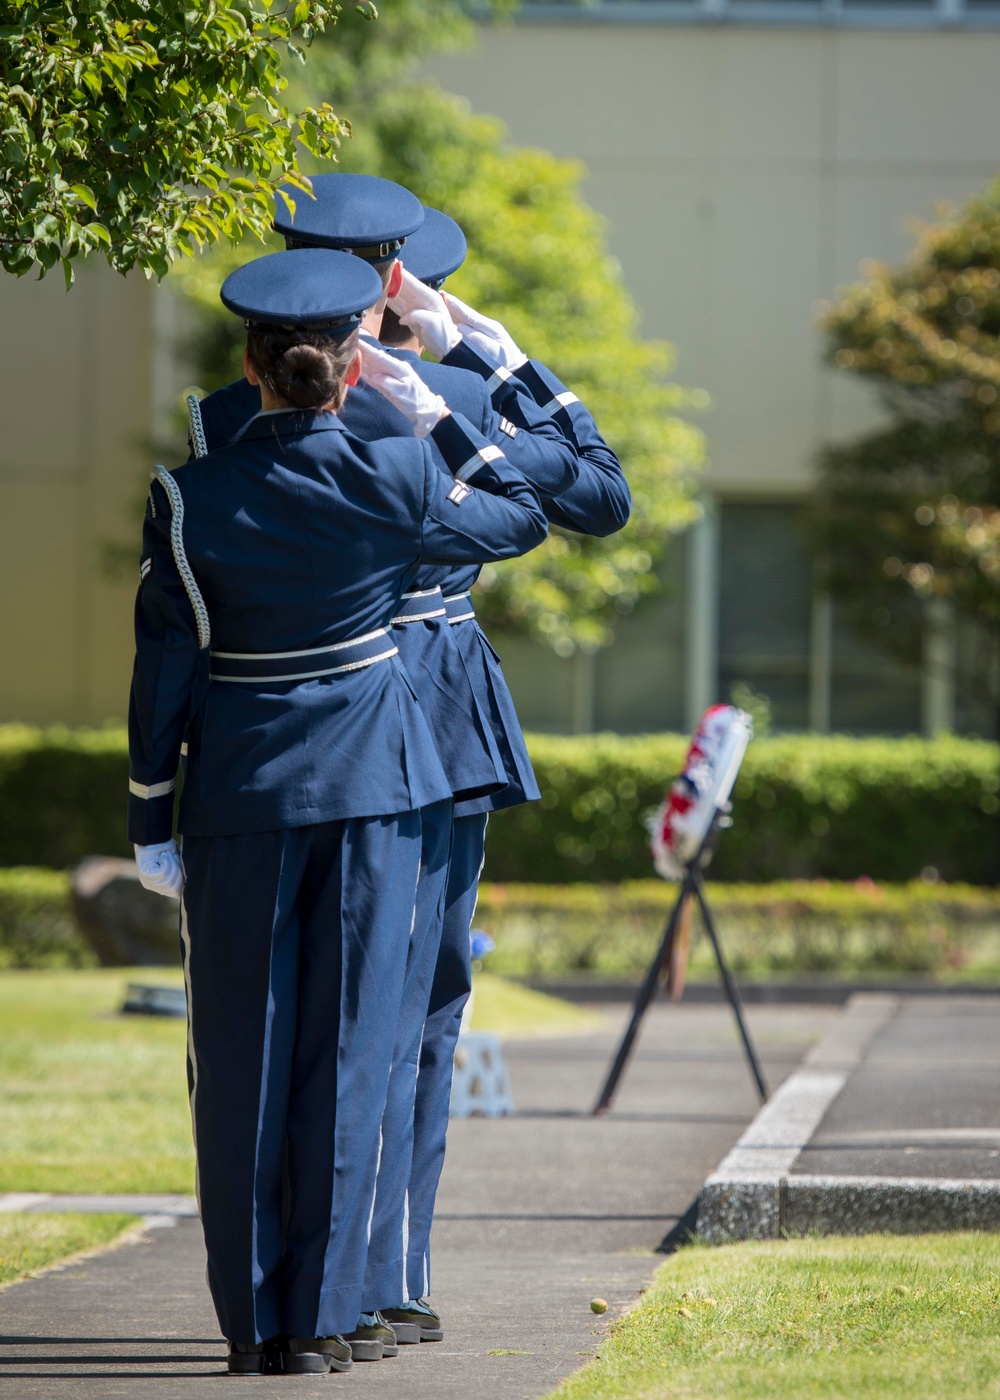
column 400, row 383
column 488, row 337
column 424, row 312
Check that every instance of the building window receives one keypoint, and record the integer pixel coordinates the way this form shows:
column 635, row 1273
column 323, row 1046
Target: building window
column 870, row 691
column 778, row 638
column 765, row 608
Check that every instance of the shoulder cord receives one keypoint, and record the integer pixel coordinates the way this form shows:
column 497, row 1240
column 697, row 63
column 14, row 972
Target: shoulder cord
column 199, row 445
column 191, row 588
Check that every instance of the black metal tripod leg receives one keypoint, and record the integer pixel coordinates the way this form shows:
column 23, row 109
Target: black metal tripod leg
column 645, row 995
column 732, row 992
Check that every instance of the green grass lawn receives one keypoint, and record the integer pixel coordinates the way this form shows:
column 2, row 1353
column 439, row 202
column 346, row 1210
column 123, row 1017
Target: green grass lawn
column 96, row 1102
column 882, row 1317
column 511, row 1010
column 31, row 1242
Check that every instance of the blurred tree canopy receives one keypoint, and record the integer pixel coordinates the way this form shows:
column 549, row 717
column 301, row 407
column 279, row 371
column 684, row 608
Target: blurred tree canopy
column 911, row 512
column 142, row 130
column 537, row 262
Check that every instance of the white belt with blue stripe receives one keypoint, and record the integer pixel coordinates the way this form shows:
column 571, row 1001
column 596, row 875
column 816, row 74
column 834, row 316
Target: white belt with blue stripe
column 459, row 608
column 420, row 606
column 428, row 603
column 260, row 667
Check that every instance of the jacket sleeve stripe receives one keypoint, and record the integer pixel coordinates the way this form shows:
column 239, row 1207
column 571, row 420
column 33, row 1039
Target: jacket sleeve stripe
column 477, row 461
column 147, row 791
column 560, row 401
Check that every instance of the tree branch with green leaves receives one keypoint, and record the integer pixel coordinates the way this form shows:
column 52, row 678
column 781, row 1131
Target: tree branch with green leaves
column 143, row 131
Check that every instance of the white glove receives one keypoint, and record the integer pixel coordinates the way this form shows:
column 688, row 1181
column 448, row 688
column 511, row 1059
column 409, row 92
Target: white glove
column 485, row 335
column 424, row 311
column 402, row 386
column 160, row 868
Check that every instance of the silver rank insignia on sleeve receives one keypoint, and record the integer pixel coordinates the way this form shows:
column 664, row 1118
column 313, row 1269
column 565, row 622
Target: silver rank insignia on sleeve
column 506, row 426
column 145, row 569
column 458, row 493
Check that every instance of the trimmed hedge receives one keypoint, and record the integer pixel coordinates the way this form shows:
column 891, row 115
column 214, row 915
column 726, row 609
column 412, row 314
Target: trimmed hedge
column 805, row 806
column 946, row 932
column 62, row 794
column 37, row 928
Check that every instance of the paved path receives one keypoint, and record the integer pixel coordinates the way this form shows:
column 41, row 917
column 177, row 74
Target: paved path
column 538, row 1214
column 893, row 1123
column 924, row 1102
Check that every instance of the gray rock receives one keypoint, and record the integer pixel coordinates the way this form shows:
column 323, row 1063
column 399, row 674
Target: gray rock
column 126, row 925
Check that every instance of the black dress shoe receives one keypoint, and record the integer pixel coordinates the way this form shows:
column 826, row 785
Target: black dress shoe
column 253, row 1358
column 314, row 1356
column 372, row 1339
column 417, row 1319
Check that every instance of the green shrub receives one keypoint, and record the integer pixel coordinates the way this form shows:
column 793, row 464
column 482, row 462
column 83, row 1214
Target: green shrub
column 805, row 806
column 948, row 932
column 62, row 794
column 37, row 928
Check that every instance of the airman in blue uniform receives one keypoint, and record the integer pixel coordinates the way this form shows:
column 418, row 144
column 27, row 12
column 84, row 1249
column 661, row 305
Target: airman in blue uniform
column 458, row 678
column 597, row 503
column 270, row 575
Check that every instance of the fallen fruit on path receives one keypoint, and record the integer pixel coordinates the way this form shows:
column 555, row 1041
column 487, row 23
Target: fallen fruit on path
column 598, row 1305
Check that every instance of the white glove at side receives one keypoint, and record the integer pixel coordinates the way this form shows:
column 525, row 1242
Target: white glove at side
column 424, row 311
column 402, row 386
column 485, row 335
column 160, row 868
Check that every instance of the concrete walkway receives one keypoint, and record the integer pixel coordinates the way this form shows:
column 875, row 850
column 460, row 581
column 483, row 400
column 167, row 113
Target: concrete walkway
column 538, row 1214
column 893, row 1123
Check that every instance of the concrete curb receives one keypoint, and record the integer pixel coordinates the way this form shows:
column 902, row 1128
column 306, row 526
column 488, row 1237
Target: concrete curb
column 747, row 1197
column 861, row 1205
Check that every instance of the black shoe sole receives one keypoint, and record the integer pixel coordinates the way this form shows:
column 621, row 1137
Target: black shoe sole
column 366, row 1351
column 407, row 1333
column 312, row 1363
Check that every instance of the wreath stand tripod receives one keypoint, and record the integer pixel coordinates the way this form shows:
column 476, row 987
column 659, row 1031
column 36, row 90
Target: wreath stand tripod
column 692, row 887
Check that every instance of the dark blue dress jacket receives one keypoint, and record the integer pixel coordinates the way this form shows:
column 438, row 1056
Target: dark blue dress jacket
column 300, row 536
column 456, row 672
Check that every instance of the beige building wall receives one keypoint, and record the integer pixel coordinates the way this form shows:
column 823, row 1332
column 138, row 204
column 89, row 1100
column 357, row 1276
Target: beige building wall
column 744, row 173
column 77, row 394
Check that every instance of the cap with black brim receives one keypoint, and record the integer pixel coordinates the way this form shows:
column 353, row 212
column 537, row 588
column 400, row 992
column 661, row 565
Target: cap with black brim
column 436, row 250
column 312, row 289
column 364, row 215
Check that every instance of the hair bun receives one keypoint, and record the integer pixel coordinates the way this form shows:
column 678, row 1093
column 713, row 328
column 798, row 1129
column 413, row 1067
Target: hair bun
column 303, row 368
column 304, row 376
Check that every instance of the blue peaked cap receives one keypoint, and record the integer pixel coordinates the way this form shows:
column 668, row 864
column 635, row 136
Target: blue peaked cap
column 308, row 288
column 362, row 214
column 436, row 250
